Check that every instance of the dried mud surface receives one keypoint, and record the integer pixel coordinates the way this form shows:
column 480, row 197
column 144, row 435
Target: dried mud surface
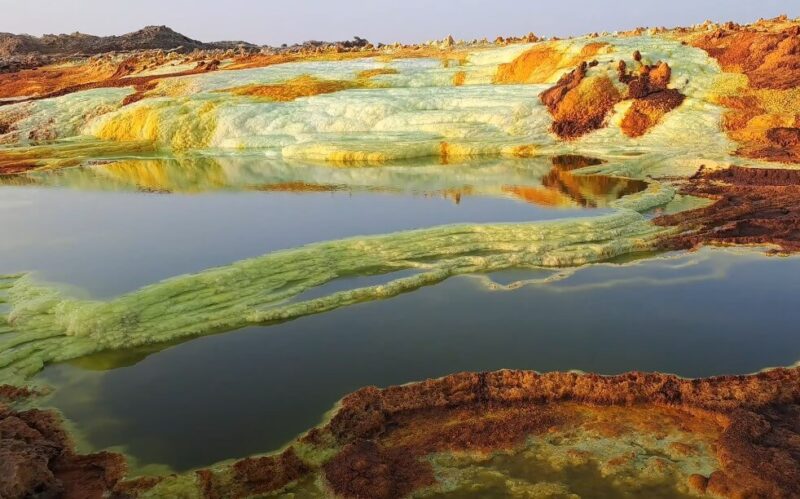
column 758, row 206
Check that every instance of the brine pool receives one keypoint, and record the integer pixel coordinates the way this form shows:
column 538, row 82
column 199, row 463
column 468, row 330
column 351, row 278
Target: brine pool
column 229, row 395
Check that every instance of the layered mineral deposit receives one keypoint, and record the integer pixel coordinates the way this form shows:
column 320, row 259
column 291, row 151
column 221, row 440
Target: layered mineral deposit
column 695, row 132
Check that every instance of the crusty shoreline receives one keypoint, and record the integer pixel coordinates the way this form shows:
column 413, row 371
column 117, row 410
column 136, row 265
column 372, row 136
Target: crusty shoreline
column 390, row 442
column 397, row 429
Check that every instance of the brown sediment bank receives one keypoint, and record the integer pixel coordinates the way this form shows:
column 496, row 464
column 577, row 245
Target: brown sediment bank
column 379, row 442
column 763, row 107
column 37, row 459
column 756, row 206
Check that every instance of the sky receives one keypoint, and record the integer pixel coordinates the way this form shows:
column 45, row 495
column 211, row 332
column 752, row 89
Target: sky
column 288, row 21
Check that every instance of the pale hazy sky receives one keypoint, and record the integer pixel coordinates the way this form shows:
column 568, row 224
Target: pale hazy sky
column 278, row 21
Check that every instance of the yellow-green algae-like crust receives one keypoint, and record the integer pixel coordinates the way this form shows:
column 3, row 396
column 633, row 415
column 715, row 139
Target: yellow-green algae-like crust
column 43, row 325
column 412, row 110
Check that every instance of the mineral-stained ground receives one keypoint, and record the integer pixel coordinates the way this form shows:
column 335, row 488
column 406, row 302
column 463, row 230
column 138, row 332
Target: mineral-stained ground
column 696, row 130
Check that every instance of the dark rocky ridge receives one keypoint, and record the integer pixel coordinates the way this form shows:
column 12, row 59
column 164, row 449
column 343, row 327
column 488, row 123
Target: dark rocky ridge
column 22, row 51
column 150, row 37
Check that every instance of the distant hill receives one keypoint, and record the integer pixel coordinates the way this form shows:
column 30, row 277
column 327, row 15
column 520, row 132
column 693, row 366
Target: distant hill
column 150, row 37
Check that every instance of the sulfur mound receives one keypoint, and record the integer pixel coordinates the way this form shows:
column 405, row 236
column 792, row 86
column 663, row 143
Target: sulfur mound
column 652, row 99
column 581, row 102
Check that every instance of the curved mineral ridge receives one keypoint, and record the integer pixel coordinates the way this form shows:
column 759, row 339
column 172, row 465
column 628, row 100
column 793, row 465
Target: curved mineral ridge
column 701, row 110
column 45, row 326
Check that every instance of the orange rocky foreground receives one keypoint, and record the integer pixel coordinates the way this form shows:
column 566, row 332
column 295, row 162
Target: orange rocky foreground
column 731, row 436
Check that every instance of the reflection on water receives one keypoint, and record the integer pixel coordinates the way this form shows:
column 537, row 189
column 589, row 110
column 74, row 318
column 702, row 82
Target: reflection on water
column 699, row 314
column 535, row 180
column 588, row 190
column 105, row 230
column 562, row 187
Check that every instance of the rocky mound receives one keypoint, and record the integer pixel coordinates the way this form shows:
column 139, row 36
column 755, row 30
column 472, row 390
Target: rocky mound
column 148, row 38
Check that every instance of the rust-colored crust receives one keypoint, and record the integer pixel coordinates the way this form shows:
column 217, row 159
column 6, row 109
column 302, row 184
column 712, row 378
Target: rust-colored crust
column 381, row 437
column 11, row 393
column 364, row 468
column 758, row 414
column 758, row 206
column 580, row 104
column 763, row 113
column 652, row 100
column 38, row 460
column 769, row 59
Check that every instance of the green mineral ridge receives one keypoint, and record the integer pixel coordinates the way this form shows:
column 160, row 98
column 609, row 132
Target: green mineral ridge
column 408, row 117
column 45, row 326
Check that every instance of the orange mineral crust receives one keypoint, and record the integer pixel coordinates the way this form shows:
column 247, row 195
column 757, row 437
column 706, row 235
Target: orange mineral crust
column 763, row 104
column 652, row 100
column 764, row 123
column 758, row 206
column 769, row 58
column 99, row 72
column 537, row 64
column 740, row 432
column 580, row 104
column 302, row 86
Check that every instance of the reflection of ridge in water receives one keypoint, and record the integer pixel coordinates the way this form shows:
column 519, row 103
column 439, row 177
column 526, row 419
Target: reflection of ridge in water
column 588, row 190
column 541, row 181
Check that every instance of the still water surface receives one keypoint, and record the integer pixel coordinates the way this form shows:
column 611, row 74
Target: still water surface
column 253, row 390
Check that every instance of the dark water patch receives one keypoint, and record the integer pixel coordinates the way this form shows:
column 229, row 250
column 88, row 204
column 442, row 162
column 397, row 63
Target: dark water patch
column 253, row 390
